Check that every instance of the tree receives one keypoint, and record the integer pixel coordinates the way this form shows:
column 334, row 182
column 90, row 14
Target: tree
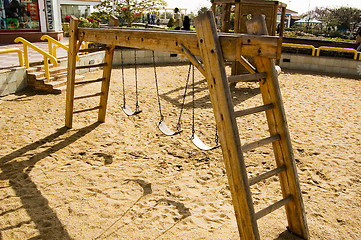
column 343, row 17
column 129, row 10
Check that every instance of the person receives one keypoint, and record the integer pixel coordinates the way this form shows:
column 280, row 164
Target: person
column 358, row 41
column 186, row 23
column 177, row 19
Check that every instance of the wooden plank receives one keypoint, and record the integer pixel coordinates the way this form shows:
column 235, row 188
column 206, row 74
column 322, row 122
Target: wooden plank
column 225, row 16
column 72, row 54
column 193, row 60
column 88, row 109
column 253, row 110
column 89, row 81
column 260, row 143
column 91, row 66
column 170, row 41
column 277, row 124
column 266, row 175
column 213, row 61
column 88, row 96
column 246, row 77
column 273, row 207
column 108, row 59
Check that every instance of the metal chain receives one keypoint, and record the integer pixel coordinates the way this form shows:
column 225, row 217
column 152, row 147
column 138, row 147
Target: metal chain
column 216, row 137
column 156, row 85
column 179, row 127
column 136, row 81
column 193, row 106
column 122, row 62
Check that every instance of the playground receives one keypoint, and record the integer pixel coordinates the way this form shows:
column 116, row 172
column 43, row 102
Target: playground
column 124, row 179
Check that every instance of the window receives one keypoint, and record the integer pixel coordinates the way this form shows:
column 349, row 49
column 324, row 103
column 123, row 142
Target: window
column 19, row 15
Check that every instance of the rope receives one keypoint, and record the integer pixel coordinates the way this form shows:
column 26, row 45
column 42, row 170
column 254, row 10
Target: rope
column 156, row 85
column 179, row 127
column 122, row 62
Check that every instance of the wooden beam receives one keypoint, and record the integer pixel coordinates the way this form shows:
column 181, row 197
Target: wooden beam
column 221, row 98
column 170, row 41
column 72, row 54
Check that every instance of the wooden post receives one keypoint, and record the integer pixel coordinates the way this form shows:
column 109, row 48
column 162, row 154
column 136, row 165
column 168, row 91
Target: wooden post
column 72, row 54
column 106, row 82
column 108, row 59
column 113, row 21
column 226, row 16
column 277, row 124
column 226, row 124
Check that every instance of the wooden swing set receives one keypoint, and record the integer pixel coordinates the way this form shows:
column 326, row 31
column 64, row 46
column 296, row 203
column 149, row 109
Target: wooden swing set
column 214, row 48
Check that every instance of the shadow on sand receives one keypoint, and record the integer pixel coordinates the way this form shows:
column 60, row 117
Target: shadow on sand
column 17, row 171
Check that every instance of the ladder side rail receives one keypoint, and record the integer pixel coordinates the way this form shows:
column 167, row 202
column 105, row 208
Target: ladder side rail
column 73, row 38
column 107, row 70
column 277, row 124
column 226, row 124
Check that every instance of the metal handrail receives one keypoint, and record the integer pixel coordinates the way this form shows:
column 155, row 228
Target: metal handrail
column 57, row 44
column 337, row 49
column 46, row 55
column 300, row 46
column 20, row 54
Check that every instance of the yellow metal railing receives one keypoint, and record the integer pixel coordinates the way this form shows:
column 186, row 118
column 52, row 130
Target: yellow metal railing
column 46, row 55
column 57, row 44
column 337, row 49
column 300, row 46
column 20, row 54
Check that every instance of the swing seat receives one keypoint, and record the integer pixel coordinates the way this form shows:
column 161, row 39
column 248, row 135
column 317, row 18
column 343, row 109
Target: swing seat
column 199, row 144
column 164, row 129
column 129, row 111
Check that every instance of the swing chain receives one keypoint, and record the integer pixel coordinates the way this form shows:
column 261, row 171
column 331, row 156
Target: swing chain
column 122, row 62
column 216, row 138
column 136, row 81
column 193, row 105
column 179, row 125
column 156, row 85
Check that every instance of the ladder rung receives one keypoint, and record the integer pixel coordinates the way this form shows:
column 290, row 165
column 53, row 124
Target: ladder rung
column 89, row 81
column 253, row 110
column 91, row 66
column 88, row 109
column 273, row 207
column 90, row 50
column 259, row 143
column 250, row 77
column 266, row 175
column 89, row 96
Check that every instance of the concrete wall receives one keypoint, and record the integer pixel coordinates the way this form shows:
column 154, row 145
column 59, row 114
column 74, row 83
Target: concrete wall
column 321, row 64
column 12, row 80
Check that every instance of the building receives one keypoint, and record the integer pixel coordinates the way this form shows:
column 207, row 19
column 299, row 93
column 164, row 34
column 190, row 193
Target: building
column 29, row 19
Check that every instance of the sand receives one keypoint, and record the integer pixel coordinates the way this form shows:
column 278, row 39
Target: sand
column 124, row 179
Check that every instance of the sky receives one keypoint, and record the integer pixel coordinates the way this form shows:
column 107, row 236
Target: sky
column 300, row 6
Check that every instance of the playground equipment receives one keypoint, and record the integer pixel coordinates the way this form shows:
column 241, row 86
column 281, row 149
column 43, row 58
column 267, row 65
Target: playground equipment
column 195, row 139
column 127, row 110
column 215, row 48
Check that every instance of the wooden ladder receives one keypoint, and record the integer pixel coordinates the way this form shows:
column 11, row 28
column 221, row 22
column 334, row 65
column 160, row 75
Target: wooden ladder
column 74, row 49
column 220, row 95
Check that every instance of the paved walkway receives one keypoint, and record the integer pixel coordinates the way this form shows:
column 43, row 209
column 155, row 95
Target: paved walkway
column 8, row 60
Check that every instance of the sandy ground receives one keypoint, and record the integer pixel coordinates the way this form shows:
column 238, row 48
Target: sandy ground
column 123, row 179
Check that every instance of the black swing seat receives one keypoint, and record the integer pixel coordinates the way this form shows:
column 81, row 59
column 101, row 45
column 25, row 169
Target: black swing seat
column 164, row 129
column 199, row 144
column 129, row 111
